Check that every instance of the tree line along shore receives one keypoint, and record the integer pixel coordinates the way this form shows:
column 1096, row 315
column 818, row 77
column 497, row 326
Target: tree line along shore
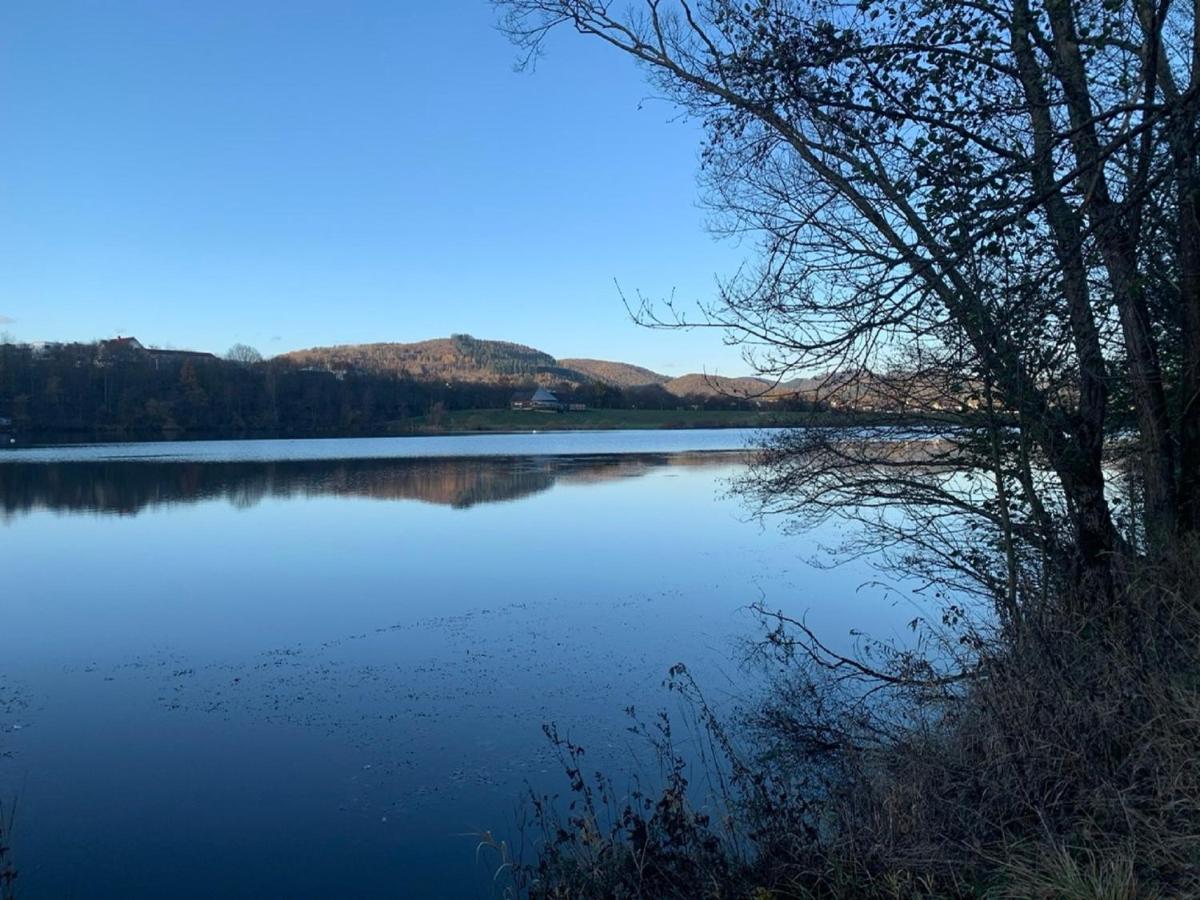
column 110, row 390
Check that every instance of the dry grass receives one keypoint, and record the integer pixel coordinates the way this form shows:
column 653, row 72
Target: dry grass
column 1062, row 874
column 8, row 870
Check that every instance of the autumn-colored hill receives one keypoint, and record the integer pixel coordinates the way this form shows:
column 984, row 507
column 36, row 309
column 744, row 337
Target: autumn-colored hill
column 718, row 386
column 465, row 359
column 617, row 374
column 460, row 358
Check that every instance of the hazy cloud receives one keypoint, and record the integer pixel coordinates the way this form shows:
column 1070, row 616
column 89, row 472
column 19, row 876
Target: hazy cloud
column 276, row 338
column 6, row 320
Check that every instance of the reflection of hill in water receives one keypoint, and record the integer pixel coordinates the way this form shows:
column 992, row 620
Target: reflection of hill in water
column 127, row 488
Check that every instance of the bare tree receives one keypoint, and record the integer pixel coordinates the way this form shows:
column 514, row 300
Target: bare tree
column 244, row 354
column 989, row 210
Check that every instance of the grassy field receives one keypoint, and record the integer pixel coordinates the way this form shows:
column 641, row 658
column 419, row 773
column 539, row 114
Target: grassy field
column 593, row 419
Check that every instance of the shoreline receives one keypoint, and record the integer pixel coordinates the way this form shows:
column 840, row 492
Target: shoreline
column 495, row 422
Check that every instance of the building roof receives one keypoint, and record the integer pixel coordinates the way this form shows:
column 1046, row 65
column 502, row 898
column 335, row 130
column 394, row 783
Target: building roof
column 181, row 353
column 541, row 395
column 130, row 342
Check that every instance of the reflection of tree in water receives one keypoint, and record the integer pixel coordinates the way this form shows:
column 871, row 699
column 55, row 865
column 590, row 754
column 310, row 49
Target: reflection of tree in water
column 127, row 488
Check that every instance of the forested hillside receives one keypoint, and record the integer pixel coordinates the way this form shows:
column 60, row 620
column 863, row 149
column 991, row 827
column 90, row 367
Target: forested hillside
column 615, row 373
column 119, row 388
column 462, row 358
column 717, row 385
column 85, row 388
column 458, row 358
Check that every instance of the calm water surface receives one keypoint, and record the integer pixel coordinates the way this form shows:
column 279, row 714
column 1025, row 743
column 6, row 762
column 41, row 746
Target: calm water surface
column 317, row 668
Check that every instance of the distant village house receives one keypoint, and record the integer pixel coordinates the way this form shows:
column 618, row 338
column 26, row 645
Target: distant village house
column 544, row 401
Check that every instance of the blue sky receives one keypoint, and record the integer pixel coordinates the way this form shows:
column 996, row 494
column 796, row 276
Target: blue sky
column 288, row 174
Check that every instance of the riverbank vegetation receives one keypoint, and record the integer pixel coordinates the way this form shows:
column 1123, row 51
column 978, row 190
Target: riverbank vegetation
column 998, row 195
column 1055, row 761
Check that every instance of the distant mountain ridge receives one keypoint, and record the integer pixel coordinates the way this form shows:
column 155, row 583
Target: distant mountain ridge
column 463, row 358
column 618, row 374
column 718, row 385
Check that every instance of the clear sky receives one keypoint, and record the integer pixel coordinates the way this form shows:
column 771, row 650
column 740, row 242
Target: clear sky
column 289, row 174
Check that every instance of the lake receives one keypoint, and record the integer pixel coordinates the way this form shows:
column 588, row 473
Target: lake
column 320, row 668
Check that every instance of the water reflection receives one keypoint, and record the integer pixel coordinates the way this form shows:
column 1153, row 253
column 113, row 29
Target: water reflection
column 128, row 488
column 247, row 658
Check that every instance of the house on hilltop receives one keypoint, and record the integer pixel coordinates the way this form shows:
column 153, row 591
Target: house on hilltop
column 128, row 349
column 119, row 349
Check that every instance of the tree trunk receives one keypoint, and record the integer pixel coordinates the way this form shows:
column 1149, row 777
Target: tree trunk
column 1189, row 289
column 1120, row 260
